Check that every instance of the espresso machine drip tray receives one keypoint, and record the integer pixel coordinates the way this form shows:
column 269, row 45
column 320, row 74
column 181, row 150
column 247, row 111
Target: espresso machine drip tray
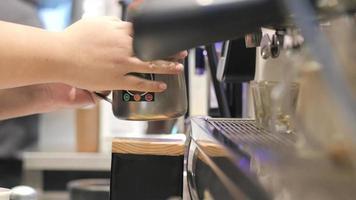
column 233, row 159
column 243, row 132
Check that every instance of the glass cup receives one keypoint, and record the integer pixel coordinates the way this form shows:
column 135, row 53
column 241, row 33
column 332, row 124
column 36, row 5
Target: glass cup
column 4, row 194
column 275, row 105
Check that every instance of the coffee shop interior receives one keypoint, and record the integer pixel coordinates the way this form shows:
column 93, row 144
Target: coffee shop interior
column 265, row 107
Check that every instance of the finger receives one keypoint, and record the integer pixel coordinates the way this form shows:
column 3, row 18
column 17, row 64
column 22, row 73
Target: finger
column 179, row 56
column 154, row 67
column 79, row 98
column 143, row 85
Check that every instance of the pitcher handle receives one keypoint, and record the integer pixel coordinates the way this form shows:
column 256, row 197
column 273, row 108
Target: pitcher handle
column 103, row 97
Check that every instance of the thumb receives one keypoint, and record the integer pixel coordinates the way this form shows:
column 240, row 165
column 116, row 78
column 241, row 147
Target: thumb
column 79, row 98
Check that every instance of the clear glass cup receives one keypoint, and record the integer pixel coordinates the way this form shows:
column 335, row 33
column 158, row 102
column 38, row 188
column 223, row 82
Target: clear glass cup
column 275, row 105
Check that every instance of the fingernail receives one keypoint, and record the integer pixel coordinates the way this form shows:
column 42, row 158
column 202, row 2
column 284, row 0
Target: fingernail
column 179, row 67
column 162, row 86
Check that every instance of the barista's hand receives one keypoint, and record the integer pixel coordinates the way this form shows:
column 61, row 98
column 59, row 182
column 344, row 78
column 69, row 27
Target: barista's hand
column 61, row 96
column 100, row 57
column 179, row 57
column 42, row 98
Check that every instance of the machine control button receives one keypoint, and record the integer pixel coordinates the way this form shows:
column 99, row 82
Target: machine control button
column 137, row 97
column 149, row 97
column 126, row 97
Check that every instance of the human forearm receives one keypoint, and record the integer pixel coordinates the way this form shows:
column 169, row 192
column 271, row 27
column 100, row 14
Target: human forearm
column 94, row 54
column 29, row 56
column 23, row 101
column 42, row 98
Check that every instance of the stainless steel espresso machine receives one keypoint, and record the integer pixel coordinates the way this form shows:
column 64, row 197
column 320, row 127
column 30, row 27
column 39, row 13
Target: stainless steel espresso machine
column 313, row 44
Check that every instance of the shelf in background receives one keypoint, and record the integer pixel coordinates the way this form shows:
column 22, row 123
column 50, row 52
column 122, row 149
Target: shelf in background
column 67, row 161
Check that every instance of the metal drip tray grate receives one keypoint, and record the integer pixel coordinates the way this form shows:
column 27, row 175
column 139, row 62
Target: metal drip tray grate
column 241, row 131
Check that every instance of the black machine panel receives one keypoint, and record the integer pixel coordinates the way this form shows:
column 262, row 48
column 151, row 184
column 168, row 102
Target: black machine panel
column 163, row 28
column 237, row 62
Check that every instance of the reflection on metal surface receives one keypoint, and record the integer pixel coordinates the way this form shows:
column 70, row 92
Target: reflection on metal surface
column 169, row 104
column 246, row 132
column 212, row 167
column 201, row 169
column 205, row 2
column 233, row 159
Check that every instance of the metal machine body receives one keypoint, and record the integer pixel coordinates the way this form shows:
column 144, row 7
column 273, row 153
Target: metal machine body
column 170, row 104
column 233, row 159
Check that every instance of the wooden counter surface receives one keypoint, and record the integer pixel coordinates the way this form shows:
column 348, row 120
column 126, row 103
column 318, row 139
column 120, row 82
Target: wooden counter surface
column 149, row 146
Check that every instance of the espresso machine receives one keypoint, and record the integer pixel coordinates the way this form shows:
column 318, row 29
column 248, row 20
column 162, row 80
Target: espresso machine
column 310, row 42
